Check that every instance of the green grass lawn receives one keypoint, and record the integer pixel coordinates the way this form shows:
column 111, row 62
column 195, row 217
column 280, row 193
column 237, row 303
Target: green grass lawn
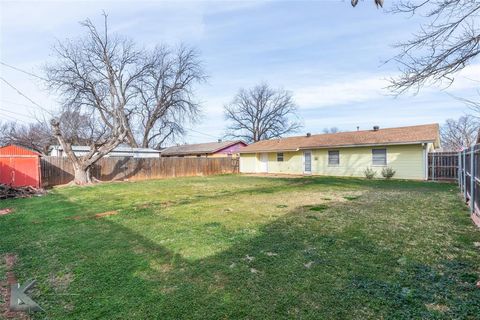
column 230, row 247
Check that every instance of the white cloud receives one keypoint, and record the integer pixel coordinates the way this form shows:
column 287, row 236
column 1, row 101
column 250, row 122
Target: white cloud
column 467, row 78
column 368, row 87
column 351, row 89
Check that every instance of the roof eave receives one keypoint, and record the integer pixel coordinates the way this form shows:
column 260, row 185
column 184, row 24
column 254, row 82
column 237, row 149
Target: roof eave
column 367, row 144
column 173, row 154
column 339, row 146
column 270, row 150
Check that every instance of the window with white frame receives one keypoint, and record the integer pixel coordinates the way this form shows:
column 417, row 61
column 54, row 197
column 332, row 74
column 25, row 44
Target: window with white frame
column 379, row 157
column 333, row 157
column 280, row 156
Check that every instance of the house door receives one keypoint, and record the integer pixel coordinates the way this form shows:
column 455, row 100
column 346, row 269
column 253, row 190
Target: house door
column 263, row 162
column 307, row 162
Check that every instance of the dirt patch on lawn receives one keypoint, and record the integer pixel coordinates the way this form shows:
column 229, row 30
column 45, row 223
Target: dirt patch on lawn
column 437, row 307
column 10, row 260
column 106, row 214
column 476, row 219
column 143, row 206
column 95, row 216
column 7, row 263
column 75, row 218
column 60, row 282
column 274, row 175
column 5, row 211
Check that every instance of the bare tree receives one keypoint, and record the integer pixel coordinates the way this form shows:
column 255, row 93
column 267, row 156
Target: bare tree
column 261, row 113
column 475, row 107
column 331, row 130
column 95, row 76
column 459, row 134
column 378, row 3
column 129, row 94
column 166, row 99
column 446, row 43
column 38, row 135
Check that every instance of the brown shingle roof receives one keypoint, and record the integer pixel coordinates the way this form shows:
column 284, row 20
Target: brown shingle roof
column 199, row 148
column 401, row 135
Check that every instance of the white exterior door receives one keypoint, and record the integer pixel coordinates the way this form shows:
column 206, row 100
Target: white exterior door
column 263, row 165
column 307, row 162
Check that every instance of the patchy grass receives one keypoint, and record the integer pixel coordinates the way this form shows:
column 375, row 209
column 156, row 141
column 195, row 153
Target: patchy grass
column 320, row 207
column 351, row 198
column 247, row 247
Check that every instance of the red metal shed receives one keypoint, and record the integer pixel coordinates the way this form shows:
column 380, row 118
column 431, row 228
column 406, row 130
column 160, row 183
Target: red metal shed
column 19, row 167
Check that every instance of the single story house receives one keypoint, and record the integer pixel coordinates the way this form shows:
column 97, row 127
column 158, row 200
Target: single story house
column 405, row 149
column 121, row 151
column 208, row 150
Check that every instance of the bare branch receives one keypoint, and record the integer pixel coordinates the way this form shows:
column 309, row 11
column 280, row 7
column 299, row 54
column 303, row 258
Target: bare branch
column 378, row 3
column 445, row 44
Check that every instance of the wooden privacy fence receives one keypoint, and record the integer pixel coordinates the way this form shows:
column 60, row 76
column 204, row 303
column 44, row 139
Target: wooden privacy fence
column 443, row 166
column 468, row 179
column 59, row 170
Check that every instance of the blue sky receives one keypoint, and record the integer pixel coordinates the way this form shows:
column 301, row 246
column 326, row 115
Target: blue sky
column 330, row 55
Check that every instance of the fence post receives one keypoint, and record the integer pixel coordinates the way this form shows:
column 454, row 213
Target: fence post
column 472, row 179
column 459, row 173
column 433, row 166
column 464, row 175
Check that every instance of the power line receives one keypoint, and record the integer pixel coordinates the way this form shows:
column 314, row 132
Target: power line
column 13, row 118
column 23, row 95
column 193, row 134
column 23, row 71
column 17, row 113
column 205, row 134
column 36, row 76
column 18, row 104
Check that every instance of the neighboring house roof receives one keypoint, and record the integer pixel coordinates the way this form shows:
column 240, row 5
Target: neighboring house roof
column 401, row 135
column 117, row 149
column 199, row 148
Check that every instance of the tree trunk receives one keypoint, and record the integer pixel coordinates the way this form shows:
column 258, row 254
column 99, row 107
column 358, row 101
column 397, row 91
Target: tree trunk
column 131, row 140
column 82, row 165
column 82, row 175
